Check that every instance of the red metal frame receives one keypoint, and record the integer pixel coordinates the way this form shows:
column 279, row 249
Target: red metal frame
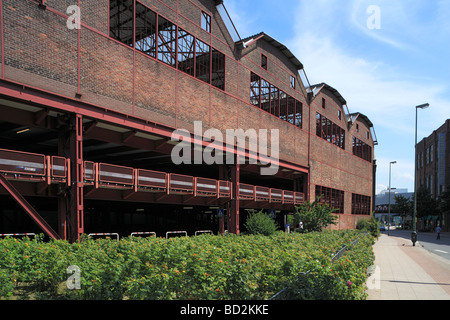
column 246, row 192
column 89, row 177
column 202, row 189
column 276, row 195
column 56, row 173
column 25, row 205
column 114, row 176
column 31, row 165
column 225, row 189
column 155, row 178
column 262, row 193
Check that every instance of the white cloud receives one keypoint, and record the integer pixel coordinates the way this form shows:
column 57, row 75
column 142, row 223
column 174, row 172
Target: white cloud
column 377, row 86
column 370, row 87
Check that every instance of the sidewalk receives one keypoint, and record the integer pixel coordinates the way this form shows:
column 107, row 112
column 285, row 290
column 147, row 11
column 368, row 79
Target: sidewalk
column 405, row 272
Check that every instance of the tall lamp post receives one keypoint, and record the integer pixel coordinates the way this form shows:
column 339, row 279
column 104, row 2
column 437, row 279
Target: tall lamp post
column 389, row 206
column 414, row 231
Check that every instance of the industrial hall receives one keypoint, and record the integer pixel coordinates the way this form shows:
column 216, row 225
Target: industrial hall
column 92, row 92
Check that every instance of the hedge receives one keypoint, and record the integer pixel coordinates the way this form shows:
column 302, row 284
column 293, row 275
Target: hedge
column 207, row 267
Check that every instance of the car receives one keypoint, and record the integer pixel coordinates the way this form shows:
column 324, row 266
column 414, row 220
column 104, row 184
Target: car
column 390, row 227
column 382, row 227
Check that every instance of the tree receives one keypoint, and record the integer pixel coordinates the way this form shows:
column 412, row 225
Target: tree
column 315, row 216
column 426, row 205
column 402, row 206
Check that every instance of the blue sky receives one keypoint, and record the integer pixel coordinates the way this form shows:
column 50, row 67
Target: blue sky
column 383, row 73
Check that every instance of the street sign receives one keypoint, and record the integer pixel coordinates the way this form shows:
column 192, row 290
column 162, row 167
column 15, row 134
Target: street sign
column 220, row 213
column 272, row 213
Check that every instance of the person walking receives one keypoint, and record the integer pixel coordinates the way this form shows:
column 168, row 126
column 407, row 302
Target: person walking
column 438, row 231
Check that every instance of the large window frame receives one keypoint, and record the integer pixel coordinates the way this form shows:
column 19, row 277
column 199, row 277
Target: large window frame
column 271, row 99
column 362, row 149
column 333, row 197
column 330, row 131
column 361, row 204
column 143, row 29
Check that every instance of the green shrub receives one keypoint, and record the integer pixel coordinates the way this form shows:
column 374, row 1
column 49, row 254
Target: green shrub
column 260, row 223
column 369, row 225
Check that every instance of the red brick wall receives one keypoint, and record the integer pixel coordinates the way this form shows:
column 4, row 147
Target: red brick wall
column 334, row 167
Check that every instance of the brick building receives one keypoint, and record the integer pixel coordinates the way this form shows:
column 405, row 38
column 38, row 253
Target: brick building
column 433, row 161
column 91, row 95
column 433, row 164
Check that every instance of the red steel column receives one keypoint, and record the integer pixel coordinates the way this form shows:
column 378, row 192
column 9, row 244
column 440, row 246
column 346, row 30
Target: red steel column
column 233, row 213
column 63, row 198
column 76, row 213
column 222, row 175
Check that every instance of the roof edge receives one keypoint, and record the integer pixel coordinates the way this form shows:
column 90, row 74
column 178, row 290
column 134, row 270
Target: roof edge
column 262, row 35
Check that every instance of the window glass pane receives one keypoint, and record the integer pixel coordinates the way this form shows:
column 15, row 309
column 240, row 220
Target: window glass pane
column 202, row 61
column 145, row 30
column 218, row 69
column 255, row 85
column 186, row 52
column 298, row 114
column 265, row 95
column 206, row 21
column 263, row 61
column 166, row 41
column 121, row 21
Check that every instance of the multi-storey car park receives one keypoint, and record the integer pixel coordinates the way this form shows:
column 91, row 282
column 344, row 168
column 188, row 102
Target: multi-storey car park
column 90, row 97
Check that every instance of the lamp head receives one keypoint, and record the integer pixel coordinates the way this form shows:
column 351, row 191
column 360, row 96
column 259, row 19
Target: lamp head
column 423, row 106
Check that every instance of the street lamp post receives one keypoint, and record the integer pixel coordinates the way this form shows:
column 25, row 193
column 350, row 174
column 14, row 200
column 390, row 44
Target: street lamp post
column 414, row 231
column 389, row 206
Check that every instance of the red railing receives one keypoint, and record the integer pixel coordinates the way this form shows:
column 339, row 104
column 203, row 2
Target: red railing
column 246, row 192
column 23, row 164
column 181, row 184
column 276, row 195
column 115, row 176
column 152, row 180
column 206, row 187
column 262, row 193
column 36, row 167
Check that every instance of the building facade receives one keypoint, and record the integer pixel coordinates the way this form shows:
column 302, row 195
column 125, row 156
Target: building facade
column 92, row 94
column 433, row 161
column 433, row 165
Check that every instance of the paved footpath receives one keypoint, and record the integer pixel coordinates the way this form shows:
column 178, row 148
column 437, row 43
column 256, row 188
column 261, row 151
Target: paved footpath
column 407, row 273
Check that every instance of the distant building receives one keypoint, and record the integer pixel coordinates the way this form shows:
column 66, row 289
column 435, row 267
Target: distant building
column 382, row 199
column 433, row 164
column 433, row 161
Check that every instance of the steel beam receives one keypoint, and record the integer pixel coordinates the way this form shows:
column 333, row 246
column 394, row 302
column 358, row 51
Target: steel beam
column 25, row 205
column 76, row 212
column 233, row 212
